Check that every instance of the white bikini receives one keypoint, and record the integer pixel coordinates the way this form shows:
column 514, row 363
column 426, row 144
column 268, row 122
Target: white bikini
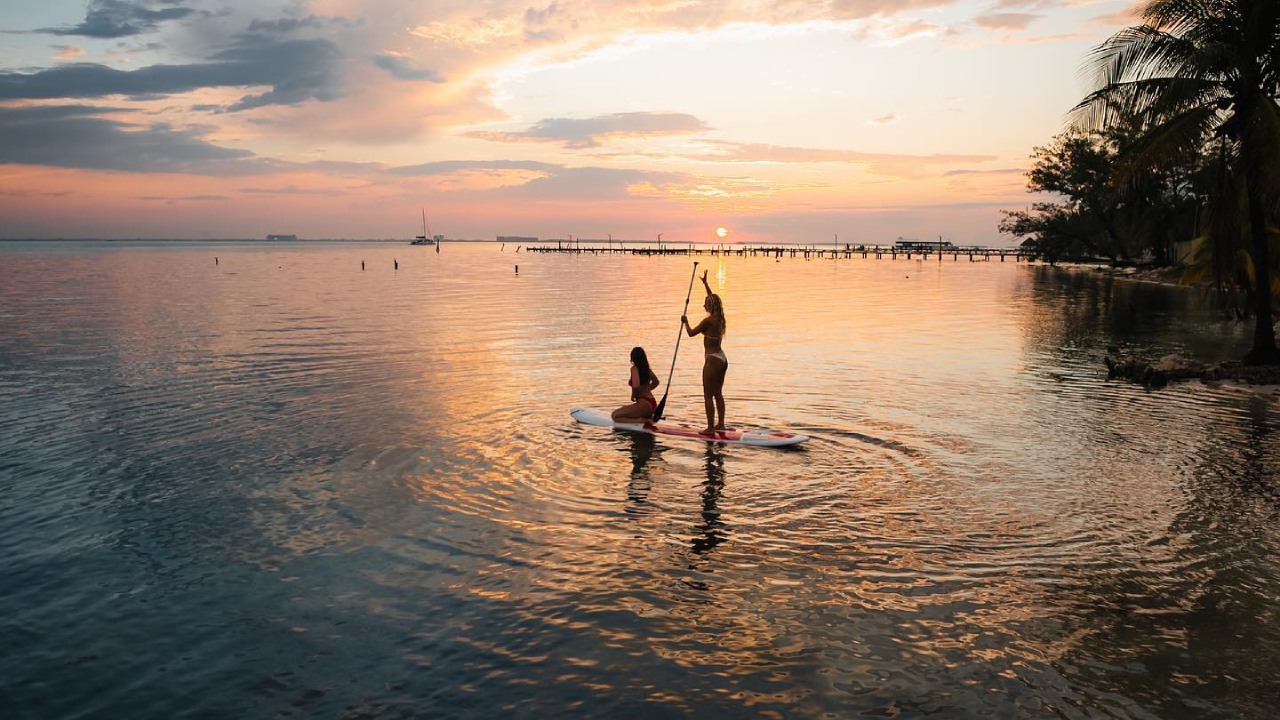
column 718, row 355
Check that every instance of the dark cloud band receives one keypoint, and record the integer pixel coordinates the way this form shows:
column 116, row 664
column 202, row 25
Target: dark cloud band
column 109, row 19
column 295, row 70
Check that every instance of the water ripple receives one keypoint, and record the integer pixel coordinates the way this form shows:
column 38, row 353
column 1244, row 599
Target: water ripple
column 281, row 485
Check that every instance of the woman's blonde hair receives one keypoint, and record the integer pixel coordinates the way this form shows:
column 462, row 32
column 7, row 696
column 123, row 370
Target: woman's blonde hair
column 717, row 308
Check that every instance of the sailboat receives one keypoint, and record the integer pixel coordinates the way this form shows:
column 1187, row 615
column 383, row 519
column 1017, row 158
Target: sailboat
column 426, row 238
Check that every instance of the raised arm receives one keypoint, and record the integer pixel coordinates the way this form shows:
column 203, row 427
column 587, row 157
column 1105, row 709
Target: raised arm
column 705, row 285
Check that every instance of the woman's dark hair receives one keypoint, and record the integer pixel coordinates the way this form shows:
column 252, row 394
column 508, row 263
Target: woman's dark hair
column 642, row 363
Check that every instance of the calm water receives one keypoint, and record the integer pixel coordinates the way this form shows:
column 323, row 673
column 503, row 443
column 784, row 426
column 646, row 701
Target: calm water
column 281, row 486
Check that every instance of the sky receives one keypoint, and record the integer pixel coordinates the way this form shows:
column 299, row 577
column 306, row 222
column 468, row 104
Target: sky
column 797, row 121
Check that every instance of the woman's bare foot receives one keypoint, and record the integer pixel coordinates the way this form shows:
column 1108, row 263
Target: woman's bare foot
column 707, row 431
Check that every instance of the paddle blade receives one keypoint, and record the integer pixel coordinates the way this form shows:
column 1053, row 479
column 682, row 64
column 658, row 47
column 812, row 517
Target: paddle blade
column 662, row 405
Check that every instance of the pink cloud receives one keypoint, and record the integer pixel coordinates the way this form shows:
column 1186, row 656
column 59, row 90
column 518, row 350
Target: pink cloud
column 1006, row 21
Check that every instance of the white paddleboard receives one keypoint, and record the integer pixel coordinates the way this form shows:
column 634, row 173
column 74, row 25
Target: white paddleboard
column 741, row 436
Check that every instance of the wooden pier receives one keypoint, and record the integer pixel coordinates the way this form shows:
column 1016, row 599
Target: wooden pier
column 878, row 252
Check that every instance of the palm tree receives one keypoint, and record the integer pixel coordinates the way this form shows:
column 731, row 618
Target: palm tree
column 1199, row 71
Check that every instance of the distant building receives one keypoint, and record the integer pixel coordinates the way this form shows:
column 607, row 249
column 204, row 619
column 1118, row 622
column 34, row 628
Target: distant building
column 516, row 239
column 282, row 237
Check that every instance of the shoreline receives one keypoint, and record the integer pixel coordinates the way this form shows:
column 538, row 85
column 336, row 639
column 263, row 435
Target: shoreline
column 1158, row 373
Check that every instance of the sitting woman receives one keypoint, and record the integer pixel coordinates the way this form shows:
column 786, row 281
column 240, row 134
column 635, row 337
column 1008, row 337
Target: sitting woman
column 642, row 383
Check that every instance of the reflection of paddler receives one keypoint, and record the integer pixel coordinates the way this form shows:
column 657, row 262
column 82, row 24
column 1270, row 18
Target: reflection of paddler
column 641, row 452
column 713, row 529
column 716, row 365
column 642, row 383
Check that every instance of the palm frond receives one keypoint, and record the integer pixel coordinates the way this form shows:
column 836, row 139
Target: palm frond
column 1135, row 53
column 1166, row 143
column 1176, row 16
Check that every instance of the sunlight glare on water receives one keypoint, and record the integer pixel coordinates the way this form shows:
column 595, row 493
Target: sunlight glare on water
column 276, row 483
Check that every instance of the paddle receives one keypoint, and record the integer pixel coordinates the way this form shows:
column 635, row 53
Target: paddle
column 657, row 412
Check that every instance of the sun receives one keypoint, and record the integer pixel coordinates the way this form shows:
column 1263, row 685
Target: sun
column 721, row 232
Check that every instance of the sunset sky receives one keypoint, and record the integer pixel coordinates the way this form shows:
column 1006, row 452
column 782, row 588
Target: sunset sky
column 781, row 120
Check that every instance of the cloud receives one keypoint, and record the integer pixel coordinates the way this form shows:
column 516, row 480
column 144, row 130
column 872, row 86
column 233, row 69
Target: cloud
column 66, row 53
column 518, row 25
column 539, row 181
column 889, row 119
column 291, row 190
column 540, row 25
column 289, row 26
column 590, row 183
column 402, row 69
column 186, row 198
column 25, row 193
column 545, row 182
column 77, row 136
column 725, row 151
column 296, row 71
column 445, row 167
column 927, row 207
column 73, row 136
column 997, row 171
column 580, row 133
column 868, row 8
column 896, row 31
column 722, row 193
column 109, row 19
column 1125, row 17
column 135, row 50
column 1006, row 21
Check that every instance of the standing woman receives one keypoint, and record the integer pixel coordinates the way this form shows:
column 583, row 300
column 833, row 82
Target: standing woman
column 642, row 383
column 716, row 364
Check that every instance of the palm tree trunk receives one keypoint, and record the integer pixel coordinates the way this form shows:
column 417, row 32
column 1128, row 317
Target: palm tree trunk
column 1264, row 350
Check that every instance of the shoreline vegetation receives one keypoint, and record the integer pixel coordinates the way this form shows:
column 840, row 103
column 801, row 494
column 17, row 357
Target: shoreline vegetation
column 1174, row 156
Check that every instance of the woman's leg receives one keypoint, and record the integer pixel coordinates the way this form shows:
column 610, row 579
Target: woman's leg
column 713, row 372
column 635, row 414
column 721, row 368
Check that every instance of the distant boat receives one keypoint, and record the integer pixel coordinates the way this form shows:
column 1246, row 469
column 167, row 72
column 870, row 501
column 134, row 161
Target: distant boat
column 913, row 244
column 426, row 238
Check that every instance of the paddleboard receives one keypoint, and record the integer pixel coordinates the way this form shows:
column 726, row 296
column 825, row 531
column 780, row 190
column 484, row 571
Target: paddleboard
column 756, row 437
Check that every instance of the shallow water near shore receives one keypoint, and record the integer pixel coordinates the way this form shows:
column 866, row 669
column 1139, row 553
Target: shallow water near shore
column 277, row 485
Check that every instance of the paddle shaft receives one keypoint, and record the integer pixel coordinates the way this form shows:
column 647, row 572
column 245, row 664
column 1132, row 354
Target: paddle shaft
column 662, row 405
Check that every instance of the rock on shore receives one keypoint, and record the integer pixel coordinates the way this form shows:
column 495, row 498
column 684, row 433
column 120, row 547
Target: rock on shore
column 1173, row 367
